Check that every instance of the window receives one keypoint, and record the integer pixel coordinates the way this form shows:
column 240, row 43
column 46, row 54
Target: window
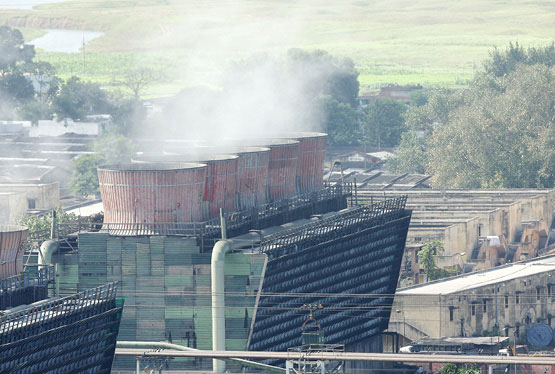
column 31, row 204
column 507, row 300
column 473, row 309
column 517, row 331
column 517, row 298
column 549, row 320
column 451, row 314
column 485, row 305
column 549, row 290
column 538, row 293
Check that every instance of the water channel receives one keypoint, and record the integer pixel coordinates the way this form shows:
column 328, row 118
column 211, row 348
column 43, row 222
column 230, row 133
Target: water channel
column 55, row 40
column 24, row 4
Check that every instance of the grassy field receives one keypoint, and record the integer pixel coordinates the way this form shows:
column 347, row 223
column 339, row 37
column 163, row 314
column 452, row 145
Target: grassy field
column 431, row 42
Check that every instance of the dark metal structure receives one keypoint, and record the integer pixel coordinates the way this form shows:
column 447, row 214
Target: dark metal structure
column 75, row 334
column 25, row 288
column 349, row 263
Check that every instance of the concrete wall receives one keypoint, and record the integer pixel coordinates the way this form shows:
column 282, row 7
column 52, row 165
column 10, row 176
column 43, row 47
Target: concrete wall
column 462, row 237
column 46, row 196
column 12, row 206
column 413, row 316
column 431, row 313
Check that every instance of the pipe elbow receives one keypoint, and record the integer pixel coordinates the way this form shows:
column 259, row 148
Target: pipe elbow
column 47, row 248
column 220, row 249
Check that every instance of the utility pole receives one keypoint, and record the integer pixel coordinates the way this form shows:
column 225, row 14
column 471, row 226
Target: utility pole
column 83, row 49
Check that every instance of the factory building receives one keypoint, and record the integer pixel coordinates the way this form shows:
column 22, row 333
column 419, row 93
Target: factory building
column 290, row 240
column 478, row 228
column 506, row 300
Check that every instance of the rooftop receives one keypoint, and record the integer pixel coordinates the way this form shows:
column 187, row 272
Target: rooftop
column 483, row 278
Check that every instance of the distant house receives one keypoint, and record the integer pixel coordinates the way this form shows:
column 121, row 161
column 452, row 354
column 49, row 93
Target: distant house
column 400, row 93
column 362, row 160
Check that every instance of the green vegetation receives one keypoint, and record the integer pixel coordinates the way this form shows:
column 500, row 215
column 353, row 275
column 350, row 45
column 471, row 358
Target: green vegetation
column 500, row 133
column 453, row 369
column 112, row 148
column 434, row 43
column 426, row 257
column 40, row 226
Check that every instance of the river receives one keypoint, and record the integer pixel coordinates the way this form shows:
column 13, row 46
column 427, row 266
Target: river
column 24, row 4
column 66, row 41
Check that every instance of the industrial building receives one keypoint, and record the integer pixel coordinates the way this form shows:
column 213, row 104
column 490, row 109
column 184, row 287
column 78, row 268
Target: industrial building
column 505, row 300
column 478, row 228
column 289, row 240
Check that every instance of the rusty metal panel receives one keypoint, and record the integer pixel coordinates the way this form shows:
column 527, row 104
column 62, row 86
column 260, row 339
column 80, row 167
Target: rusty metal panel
column 252, row 176
column 12, row 238
column 312, row 152
column 282, row 168
column 145, row 193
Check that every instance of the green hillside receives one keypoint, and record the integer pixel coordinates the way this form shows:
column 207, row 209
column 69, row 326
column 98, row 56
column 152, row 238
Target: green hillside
column 431, row 42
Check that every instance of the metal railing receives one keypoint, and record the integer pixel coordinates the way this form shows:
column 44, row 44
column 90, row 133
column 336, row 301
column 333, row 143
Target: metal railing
column 25, row 279
column 377, row 214
column 234, row 220
column 40, row 313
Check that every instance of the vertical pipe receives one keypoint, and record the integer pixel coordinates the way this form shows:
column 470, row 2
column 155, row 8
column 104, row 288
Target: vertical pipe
column 288, row 367
column 138, row 371
column 53, row 225
column 223, row 224
column 218, row 301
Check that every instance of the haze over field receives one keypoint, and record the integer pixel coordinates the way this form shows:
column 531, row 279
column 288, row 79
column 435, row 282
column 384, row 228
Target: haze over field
column 431, row 42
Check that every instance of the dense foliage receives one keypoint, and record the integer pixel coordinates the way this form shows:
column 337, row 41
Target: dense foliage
column 498, row 133
column 111, row 149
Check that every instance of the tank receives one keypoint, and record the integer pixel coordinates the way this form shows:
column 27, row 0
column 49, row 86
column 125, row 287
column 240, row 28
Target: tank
column 12, row 239
column 312, row 152
column 152, row 193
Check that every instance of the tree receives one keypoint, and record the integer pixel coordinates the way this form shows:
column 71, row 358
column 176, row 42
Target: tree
column 15, row 57
column 110, row 149
column 426, row 257
column 114, row 148
column 136, row 80
column 501, row 138
column 411, row 156
column 40, row 226
column 453, row 369
column 384, row 123
column 499, row 133
column 341, row 123
column 34, row 111
column 84, row 180
column 78, row 99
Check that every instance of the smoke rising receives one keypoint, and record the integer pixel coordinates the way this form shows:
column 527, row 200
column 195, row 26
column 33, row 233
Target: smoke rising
column 259, row 91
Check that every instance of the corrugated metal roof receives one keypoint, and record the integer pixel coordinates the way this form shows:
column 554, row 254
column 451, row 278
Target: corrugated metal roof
column 483, row 278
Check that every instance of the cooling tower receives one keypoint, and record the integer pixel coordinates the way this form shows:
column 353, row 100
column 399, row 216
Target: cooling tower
column 282, row 168
column 12, row 239
column 312, row 152
column 149, row 194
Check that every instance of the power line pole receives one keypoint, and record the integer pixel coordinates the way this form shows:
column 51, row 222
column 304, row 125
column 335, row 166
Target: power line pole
column 83, row 49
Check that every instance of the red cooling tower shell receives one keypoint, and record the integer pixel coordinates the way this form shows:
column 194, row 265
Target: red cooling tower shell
column 12, row 239
column 312, row 152
column 252, row 176
column 220, row 189
column 149, row 193
column 282, row 166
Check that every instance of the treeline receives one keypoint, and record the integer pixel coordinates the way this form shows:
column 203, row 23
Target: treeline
column 498, row 133
column 30, row 90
